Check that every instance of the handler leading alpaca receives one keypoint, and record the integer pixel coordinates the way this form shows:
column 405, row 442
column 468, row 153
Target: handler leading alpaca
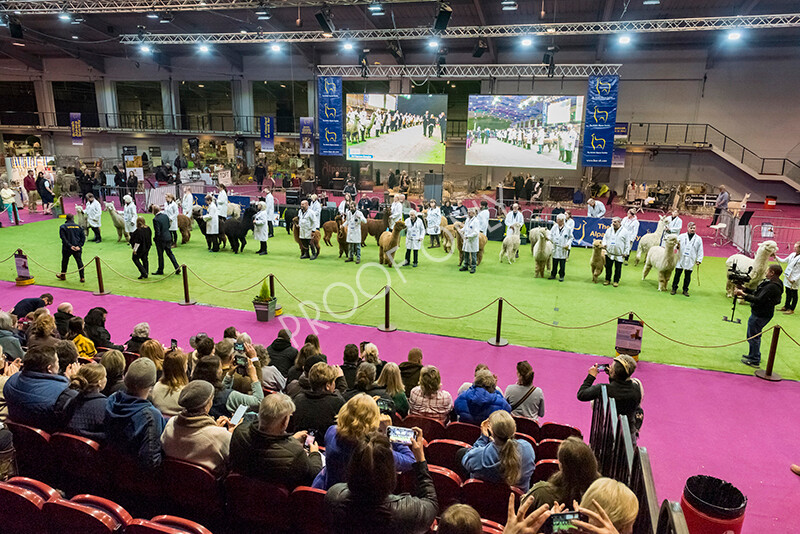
column 663, row 259
column 617, row 243
column 415, row 232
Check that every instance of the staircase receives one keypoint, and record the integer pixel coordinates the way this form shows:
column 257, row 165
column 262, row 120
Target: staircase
column 706, row 137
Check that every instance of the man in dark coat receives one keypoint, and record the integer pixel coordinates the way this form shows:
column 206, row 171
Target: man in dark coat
column 281, row 352
column 260, row 173
column 762, row 301
column 25, row 306
column 163, row 240
column 72, row 240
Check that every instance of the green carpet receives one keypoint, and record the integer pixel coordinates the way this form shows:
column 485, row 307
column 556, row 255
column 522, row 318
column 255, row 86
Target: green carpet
column 436, row 287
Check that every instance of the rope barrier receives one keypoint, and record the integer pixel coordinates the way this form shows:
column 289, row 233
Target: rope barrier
column 790, row 337
column 212, row 286
column 8, row 258
column 439, row 316
column 544, row 323
column 113, row 270
column 702, row 346
column 86, row 267
column 373, row 297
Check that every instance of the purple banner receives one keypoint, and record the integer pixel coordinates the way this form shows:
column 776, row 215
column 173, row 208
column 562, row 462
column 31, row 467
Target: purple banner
column 75, row 127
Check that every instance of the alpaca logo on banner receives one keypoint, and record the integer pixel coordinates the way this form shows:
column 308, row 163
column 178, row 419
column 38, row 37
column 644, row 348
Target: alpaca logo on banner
column 601, row 115
column 329, row 115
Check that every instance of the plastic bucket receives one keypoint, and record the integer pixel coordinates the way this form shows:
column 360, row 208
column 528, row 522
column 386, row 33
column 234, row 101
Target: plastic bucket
column 712, row 506
column 770, row 202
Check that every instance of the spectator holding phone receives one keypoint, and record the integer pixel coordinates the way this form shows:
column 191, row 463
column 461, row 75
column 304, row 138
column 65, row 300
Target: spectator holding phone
column 227, row 400
column 610, row 506
column 627, row 392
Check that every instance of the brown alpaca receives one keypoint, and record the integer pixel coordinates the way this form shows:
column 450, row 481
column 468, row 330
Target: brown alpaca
column 296, row 230
column 341, row 237
column 331, row 227
column 389, row 242
column 598, row 261
column 375, row 227
column 448, row 234
column 185, row 228
column 482, row 239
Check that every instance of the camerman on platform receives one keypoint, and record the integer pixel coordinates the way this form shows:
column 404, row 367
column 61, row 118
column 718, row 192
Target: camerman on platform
column 762, row 301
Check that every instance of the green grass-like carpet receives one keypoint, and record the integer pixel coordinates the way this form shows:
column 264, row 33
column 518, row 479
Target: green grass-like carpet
column 436, row 287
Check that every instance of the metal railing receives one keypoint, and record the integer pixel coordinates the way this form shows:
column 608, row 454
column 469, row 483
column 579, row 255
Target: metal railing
column 690, row 134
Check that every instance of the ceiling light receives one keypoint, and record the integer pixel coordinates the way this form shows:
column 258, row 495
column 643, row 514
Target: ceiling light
column 66, row 17
column 145, row 49
column 204, row 48
column 75, row 37
column 152, row 15
column 510, row 7
column 527, row 42
column 327, row 34
column 550, row 30
column 200, row 85
column 376, row 9
column 77, row 19
column 651, row 2
column 348, row 46
column 275, row 47
column 283, row 85
column 433, row 44
column 17, row 43
column 166, row 18
column 624, row 39
column 734, row 36
column 243, row 30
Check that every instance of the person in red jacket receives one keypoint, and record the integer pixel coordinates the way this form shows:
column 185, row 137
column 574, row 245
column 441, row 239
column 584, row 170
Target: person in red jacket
column 29, row 183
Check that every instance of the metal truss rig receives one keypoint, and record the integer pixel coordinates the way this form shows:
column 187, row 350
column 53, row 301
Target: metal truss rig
column 454, row 72
column 44, row 7
column 791, row 20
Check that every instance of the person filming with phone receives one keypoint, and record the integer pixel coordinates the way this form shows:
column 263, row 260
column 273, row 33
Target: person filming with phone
column 626, row 391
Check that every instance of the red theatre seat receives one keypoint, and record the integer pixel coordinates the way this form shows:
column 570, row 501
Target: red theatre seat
column 120, row 515
column 525, row 437
column 528, row 426
column 39, row 488
column 442, row 452
column 548, row 449
column 67, row 517
column 447, row 484
column 490, row 500
column 21, row 510
column 308, row 509
column 465, row 432
column 34, row 456
column 559, row 431
column 260, row 504
column 544, row 470
column 490, row 527
column 431, row 428
column 192, row 486
column 70, row 451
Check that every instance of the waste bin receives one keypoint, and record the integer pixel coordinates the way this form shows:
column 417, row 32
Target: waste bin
column 770, row 203
column 712, row 506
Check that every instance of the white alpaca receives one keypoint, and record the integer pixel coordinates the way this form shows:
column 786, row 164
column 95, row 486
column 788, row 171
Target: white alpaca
column 755, row 267
column 542, row 251
column 649, row 240
column 119, row 222
column 234, row 210
column 598, row 261
column 510, row 244
column 81, row 220
column 663, row 259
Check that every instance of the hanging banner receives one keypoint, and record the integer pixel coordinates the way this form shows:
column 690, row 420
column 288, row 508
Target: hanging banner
column 306, row 136
column 329, row 113
column 620, row 141
column 75, row 126
column 601, row 117
column 267, row 134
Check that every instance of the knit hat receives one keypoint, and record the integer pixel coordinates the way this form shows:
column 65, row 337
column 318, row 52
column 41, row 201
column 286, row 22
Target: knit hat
column 141, row 375
column 195, row 395
column 627, row 362
column 310, row 361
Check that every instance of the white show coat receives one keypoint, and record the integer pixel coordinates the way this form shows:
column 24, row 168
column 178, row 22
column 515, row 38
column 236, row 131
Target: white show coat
column 483, row 218
column 269, row 200
column 129, row 216
column 415, row 231
column 212, row 220
column 307, row 222
column 187, row 203
column 632, row 227
column 354, row 222
column 222, row 204
column 93, row 213
column 561, row 237
column 791, row 275
column 570, row 223
column 171, row 209
column 616, row 243
column 434, row 221
column 316, row 209
column 396, row 214
column 691, row 251
column 260, row 226
column 343, row 208
column 596, row 211
column 673, row 227
column 470, row 233
column 514, row 218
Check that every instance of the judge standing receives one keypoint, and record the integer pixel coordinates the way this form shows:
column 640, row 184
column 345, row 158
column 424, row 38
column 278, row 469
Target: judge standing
column 212, row 224
column 72, row 240
column 163, row 240
column 222, row 203
column 615, row 242
column 396, row 212
column 269, row 202
column 674, row 226
column 261, row 228
column 187, row 202
column 354, row 221
column 171, row 211
column 631, row 225
column 415, row 232
column 94, row 214
column 691, row 251
column 306, row 229
column 434, row 218
column 129, row 214
column 141, row 241
column 470, row 233
column 561, row 237
column 483, row 217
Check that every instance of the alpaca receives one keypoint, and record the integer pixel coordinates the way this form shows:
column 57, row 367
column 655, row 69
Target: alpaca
column 755, row 267
column 375, row 228
column 236, row 229
column 315, row 235
column 289, row 215
column 185, row 228
column 341, row 237
column 482, row 239
column 331, row 227
column 650, row 240
column 448, row 235
column 542, row 250
column 598, row 261
column 81, row 220
column 197, row 215
column 510, row 246
column 118, row 221
column 663, row 259
column 389, row 242
column 234, row 210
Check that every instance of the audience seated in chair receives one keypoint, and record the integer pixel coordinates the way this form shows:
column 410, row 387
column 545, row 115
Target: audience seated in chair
column 410, row 369
column 316, row 409
column 350, row 362
column 9, row 342
column 84, row 414
column 114, row 362
column 31, row 394
column 226, row 400
column 428, row 399
column 460, row 519
column 281, row 352
column 525, row 399
column 173, row 379
column 577, row 470
column 95, row 323
column 365, row 383
column 392, row 383
column 67, row 354
column 271, row 377
column 62, row 316
column 141, row 333
column 483, row 398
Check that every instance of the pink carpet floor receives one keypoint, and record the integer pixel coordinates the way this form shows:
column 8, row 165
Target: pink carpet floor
column 734, row 427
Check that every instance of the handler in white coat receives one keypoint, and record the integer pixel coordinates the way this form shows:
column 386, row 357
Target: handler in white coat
column 514, row 217
column 434, row 219
column 129, row 214
column 471, row 238
column 595, row 209
column 631, row 225
column 561, row 237
column 94, row 214
column 344, row 206
column 396, row 212
column 354, row 221
column 171, row 210
column 316, row 210
column 415, row 233
column 791, row 279
column 483, row 217
column 212, row 224
column 691, row 254
column 616, row 242
column 261, row 228
column 307, row 220
column 187, row 202
column 222, row 202
column 269, row 202
column 674, row 226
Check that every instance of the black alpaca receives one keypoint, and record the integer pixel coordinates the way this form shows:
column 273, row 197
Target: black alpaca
column 288, row 216
column 197, row 215
column 236, row 229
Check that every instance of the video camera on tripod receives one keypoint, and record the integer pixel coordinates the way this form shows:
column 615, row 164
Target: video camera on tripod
column 739, row 279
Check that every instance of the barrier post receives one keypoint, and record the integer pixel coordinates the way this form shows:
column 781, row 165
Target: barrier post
column 101, row 290
column 387, row 326
column 272, row 285
column 498, row 341
column 773, row 347
column 186, row 300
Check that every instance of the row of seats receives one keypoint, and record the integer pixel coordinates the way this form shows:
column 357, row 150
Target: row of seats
column 433, row 429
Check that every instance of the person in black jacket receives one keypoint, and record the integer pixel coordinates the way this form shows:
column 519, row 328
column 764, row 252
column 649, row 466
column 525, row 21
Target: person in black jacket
column 627, row 393
column 263, row 449
column 95, row 324
column 762, row 301
column 72, row 240
column 365, row 383
column 133, row 184
column 281, row 352
column 365, row 503
column 316, row 409
column 120, row 182
column 62, row 317
column 84, row 413
column 163, row 240
column 260, row 173
column 351, row 361
column 141, row 240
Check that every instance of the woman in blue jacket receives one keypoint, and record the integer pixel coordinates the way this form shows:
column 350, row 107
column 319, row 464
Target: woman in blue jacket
column 482, row 399
column 497, row 456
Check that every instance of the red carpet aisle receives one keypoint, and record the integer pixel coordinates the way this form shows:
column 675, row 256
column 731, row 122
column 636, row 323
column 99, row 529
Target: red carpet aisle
column 734, row 427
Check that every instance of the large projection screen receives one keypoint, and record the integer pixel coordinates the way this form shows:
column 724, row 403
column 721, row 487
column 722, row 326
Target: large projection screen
column 396, row 128
column 524, row 131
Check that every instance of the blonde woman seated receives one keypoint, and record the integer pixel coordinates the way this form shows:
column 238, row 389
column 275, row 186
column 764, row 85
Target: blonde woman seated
column 428, row 399
column 167, row 390
column 154, row 351
column 577, row 470
column 392, row 382
column 497, row 457
column 610, row 506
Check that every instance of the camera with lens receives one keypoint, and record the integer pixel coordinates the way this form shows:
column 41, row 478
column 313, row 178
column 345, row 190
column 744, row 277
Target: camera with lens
column 737, row 277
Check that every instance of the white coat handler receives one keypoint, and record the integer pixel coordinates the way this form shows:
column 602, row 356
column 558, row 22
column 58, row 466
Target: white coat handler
column 691, row 250
column 354, row 221
column 261, row 227
column 415, row 232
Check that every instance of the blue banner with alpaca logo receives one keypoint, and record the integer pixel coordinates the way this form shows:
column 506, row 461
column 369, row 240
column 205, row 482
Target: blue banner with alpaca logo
column 600, row 118
column 267, row 134
column 329, row 115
